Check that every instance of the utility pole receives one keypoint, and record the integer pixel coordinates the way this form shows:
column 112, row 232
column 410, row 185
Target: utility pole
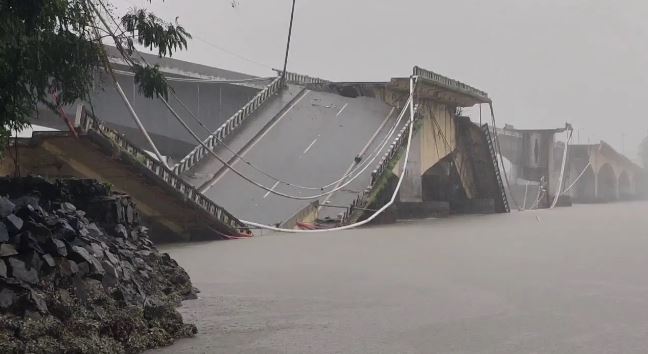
column 292, row 15
column 578, row 136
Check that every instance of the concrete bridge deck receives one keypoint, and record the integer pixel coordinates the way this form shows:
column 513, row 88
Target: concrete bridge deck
column 311, row 140
column 174, row 210
column 309, row 132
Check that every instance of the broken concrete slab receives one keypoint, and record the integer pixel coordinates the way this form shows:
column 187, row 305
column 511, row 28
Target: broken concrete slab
column 4, row 233
column 21, row 271
column 7, row 250
column 3, row 269
column 14, row 224
column 6, row 207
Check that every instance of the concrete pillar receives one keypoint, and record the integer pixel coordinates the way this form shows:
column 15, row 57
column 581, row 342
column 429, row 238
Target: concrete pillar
column 412, row 187
column 618, row 188
column 596, row 184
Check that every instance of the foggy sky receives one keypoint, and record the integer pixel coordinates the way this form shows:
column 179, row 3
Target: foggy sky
column 543, row 62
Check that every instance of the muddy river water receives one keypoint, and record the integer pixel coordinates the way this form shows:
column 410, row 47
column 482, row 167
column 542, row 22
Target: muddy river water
column 568, row 280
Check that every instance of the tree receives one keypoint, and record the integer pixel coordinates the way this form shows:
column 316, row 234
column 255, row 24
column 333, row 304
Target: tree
column 51, row 49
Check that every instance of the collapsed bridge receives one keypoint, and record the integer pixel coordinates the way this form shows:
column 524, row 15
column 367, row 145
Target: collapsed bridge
column 311, row 151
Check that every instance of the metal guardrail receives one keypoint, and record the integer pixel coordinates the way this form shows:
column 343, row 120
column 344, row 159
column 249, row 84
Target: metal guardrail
column 228, row 127
column 389, row 155
column 450, row 83
column 88, row 123
column 300, row 79
column 361, row 200
column 488, row 135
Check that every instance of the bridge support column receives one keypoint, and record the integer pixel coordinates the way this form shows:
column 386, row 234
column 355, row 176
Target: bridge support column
column 596, row 186
column 412, row 187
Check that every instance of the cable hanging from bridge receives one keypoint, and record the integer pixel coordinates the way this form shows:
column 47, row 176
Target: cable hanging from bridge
column 369, row 219
column 589, row 163
column 225, row 163
column 120, row 91
column 413, row 81
column 270, row 190
column 562, row 170
column 540, row 195
column 362, row 166
column 365, row 161
column 499, row 152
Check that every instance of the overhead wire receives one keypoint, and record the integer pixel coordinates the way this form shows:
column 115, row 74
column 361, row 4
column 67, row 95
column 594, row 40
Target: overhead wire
column 223, row 49
column 120, row 91
column 562, row 171
column 410, row 101
column 229, row 166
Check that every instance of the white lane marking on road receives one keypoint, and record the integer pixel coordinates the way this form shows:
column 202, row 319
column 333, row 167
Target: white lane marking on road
column 364, row 149
column 271, row 189
column 275, row 123
column 310, row 146
column 259, row 139
column 341, row 110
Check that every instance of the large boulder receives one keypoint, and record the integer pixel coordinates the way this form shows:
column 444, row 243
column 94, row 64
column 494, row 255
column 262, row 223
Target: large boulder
column 6, row 207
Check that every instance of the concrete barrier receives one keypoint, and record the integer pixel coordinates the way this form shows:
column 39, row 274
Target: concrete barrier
column 228, row 127
column 159, row 171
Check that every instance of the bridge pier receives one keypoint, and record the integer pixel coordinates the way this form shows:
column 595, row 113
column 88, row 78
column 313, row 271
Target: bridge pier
column 441, row 177
column 614, row 176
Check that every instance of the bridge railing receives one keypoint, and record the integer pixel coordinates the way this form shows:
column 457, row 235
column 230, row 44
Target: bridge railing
column 390, row 155
column 489, row 135
column 450, row 83
column 300, row 79
column 159, row 170
column 228, row 127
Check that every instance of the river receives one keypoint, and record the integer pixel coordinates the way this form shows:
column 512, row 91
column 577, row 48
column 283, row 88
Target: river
column 568, row 280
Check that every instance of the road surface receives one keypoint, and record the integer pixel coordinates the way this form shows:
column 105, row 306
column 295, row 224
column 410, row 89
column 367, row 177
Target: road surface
column 311, row 142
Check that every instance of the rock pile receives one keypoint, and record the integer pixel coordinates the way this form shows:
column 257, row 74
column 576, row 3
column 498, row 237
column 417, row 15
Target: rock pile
column 79, row 274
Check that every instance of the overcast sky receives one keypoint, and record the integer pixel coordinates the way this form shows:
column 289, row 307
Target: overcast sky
column 544, row 62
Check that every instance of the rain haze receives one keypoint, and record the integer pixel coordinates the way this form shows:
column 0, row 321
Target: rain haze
column 365, row 200
column 543, row 63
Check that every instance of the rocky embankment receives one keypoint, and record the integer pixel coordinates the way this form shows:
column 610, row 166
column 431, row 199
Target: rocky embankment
column 78, row 273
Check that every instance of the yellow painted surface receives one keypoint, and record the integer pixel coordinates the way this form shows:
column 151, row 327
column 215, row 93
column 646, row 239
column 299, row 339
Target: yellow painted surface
column 437, row 135
column 437, row 139
column 87, row 171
